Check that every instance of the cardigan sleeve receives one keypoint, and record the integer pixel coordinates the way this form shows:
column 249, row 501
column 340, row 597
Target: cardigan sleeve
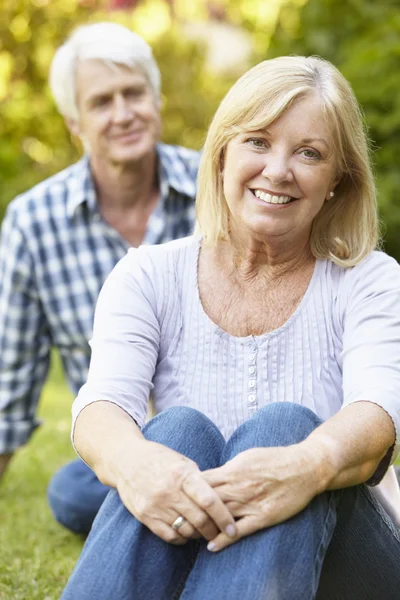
column 126, row 339
column 371, row 341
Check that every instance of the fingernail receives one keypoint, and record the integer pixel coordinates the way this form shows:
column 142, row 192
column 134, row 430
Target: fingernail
column 231, row 530
column 211, row 546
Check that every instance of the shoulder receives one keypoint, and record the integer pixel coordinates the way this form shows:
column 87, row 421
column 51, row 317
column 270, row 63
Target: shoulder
column 180, row 153
column 377, row 269
column 45, row 198
column 179, row 160
column 162, row 259
column 375, row 276
column 153, row 272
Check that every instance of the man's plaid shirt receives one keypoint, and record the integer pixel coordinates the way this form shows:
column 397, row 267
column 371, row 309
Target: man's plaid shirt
column 55, row 253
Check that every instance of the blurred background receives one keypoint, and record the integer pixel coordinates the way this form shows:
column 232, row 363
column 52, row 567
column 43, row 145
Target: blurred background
column 202, row 47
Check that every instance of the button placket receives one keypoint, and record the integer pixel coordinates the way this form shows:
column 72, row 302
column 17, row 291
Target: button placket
column 252, row 404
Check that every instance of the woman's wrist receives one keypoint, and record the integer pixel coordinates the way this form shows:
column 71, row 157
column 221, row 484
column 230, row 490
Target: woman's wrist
column 320, row 459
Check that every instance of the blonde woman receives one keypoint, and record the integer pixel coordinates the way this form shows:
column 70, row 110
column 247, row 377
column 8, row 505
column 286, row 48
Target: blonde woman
column 270, row 342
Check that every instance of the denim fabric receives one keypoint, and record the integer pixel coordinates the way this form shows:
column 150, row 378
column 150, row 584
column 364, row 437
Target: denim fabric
column 75, row 496
column 341, row 547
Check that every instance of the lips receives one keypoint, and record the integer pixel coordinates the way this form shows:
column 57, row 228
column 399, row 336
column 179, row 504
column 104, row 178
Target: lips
column 128, row 134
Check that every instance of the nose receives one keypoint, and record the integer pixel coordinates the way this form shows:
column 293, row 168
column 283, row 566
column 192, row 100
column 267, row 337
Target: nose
column 122, row 111
column 277, row 168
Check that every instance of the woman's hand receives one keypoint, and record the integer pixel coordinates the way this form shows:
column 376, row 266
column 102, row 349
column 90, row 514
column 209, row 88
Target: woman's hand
column 160, row 484
column 263, row 487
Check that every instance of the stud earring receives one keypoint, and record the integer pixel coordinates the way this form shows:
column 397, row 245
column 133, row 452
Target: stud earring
column 331, row 194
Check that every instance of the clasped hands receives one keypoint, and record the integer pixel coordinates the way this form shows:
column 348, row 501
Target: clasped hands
column 258, row 488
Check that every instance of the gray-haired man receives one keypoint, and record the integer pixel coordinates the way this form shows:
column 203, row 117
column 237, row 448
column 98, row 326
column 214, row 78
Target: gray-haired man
column 60, row 240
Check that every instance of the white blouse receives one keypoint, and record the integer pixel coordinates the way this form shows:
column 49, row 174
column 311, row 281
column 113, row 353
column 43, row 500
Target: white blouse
column 152, row 336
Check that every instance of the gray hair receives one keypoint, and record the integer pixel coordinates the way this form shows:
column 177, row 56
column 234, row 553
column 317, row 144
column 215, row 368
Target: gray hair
column 108, row 42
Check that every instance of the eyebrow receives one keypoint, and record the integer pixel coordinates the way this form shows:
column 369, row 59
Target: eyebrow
column 137, row 86
column 303, row 141
column 312, row 140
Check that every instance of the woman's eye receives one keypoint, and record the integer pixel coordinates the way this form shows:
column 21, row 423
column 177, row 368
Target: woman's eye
column 257, row 142
column 308, row 153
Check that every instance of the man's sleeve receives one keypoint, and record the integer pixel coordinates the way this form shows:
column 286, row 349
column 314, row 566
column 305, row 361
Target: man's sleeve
column 24, row 339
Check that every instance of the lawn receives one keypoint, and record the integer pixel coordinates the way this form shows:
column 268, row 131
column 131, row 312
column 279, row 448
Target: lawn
column 36, row 554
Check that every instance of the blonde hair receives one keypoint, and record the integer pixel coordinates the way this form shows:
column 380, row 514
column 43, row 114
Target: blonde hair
column 110, row 42
column 346, row 229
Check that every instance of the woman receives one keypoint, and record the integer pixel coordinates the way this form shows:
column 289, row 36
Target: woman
column 278, row 309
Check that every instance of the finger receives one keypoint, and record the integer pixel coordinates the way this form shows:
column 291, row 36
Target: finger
column 207, row 499
column 186, row 530
column 245, row 527
column 227, row 492
column 189, row 511
column 198, row 521
column 216, row 476
column 166, row 533
column 237, row 509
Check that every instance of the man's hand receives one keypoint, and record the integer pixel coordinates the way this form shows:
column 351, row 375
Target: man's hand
column 4, row 460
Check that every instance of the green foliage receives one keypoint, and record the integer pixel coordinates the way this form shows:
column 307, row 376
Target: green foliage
column 34, row 142
column 362, row 38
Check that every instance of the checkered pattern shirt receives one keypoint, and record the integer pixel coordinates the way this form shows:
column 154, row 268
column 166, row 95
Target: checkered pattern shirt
column 56, row 250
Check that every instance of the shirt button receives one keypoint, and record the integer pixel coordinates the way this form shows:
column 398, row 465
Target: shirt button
column 252, row 383
column 252, row 370
column 251, row 398
column 252, row 356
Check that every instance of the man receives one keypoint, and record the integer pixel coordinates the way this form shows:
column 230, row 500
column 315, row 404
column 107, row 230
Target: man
column 61, row 239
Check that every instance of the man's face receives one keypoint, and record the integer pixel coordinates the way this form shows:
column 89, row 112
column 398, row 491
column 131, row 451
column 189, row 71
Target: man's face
column 119, row 119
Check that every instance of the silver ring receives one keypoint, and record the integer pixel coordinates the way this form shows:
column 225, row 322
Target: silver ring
column 179, row 521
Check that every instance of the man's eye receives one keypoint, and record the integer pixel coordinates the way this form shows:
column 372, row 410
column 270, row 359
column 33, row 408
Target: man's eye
column 102, row 101
column 134, row 93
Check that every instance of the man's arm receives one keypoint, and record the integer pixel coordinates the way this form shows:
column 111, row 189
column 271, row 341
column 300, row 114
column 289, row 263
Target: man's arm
column 24, row 337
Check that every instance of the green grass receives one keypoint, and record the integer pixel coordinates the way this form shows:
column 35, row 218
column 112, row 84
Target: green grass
column 36, row 554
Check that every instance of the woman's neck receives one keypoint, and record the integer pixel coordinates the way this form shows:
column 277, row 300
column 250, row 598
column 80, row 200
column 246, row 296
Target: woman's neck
column 252, row 258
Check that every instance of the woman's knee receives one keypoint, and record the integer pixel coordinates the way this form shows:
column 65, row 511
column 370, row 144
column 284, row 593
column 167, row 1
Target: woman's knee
column 189, row 432
column 276, row 424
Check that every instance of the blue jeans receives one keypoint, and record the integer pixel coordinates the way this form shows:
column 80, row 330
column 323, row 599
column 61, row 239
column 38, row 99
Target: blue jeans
column 75, row 496
column 342, row 546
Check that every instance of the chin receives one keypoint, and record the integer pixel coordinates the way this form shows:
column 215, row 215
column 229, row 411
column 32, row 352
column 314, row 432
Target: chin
column 130, row 156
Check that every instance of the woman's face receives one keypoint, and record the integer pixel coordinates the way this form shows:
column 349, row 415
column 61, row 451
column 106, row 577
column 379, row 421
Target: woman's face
column 276, row 180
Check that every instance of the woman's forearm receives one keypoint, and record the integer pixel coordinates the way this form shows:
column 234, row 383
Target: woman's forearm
column 104, row 436
column 349, row 446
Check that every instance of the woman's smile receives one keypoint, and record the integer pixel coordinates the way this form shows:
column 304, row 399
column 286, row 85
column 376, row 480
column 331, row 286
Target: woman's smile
column 273, row 198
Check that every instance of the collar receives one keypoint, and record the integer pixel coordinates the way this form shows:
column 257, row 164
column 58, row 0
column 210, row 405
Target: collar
column 172, row 174
column 81, row 187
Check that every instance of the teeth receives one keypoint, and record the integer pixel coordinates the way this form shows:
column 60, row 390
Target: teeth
column 271, row 199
